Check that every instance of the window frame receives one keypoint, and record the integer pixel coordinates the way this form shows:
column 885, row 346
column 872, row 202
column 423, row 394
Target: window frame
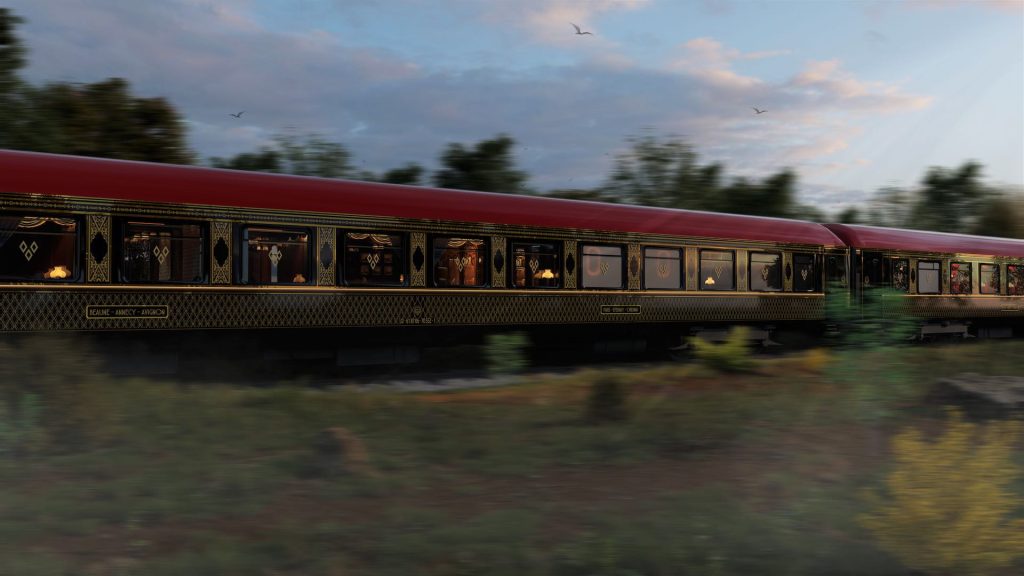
column 938, row 274
column 894, row 262
column 511, row 270
column 77, row 273
column 122, row 237
column 815, row 276
column 242, row 267
column 1018, row 289
column 750, row 271
column 700, row 270
column 342, row 267
column 970, row 277
column 583, row 260
column 999, row 275
column 485, row 250
column 681, row 260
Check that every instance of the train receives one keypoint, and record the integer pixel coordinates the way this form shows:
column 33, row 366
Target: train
column 370, row 272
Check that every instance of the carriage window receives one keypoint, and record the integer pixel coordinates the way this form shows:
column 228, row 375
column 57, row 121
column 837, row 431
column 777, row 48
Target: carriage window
column 717, row 270
column 928, row 277
column 1015, row 280
column 988, row 282
column 836, row 271
column 536, row 264
column 662, row 269
column 960, row 278
column 460, row 262
column 602, row 267
column 901, row 274
column 162, row 252
column 38, row 248
column 805, row 277
column 275, row 256
column 765, row 272
column 374, row 259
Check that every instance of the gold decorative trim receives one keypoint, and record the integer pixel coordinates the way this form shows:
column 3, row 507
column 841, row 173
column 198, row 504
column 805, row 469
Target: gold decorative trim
column 220, row 230
column 418, row 277
column 742, row 266
column 98, row 230
column 569, row 249
column 692, row 268
column 498, row 276
column 787, row 279
column 326, row 237
column 633, row 252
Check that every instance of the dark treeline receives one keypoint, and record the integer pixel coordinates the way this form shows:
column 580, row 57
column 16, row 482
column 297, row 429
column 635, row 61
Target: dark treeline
column 105, row 119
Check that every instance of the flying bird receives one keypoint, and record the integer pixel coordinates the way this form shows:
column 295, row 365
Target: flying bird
column 578, row 32
column 239, row 115
column 759, row 111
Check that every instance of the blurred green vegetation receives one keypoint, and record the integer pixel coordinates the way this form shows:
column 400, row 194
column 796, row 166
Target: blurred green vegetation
column 694, row 470
column 731, row 355
column 506, row 354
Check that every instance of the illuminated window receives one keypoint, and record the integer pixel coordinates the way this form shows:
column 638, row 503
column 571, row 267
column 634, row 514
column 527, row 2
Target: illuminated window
column 38, row 248
column 988, row 281
column 765, row 272
column 717, row 270
column 901, row 274
column 536, row 264
column 805, row 276
column 275, row 256
column 928, row 277
column 374, row 259
column 460, row 262
column 162, row 252
column 960, row 278
column 663, row 269
column 1015, row 280
column 602, row 267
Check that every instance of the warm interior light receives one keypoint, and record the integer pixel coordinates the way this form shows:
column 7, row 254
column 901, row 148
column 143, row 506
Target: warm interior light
column 57, row 272
column 547, row 274
column 710, row 281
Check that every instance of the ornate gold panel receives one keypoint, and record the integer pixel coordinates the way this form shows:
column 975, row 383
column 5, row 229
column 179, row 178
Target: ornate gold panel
column 499, row 246
column 220, row 269
column 692, row 267
column 912, row 263
column 418, row 240
column 742, row 267
column 326, row 256
column 569, row 249
column 787, row 264
column 634, row 265
column 98, row 248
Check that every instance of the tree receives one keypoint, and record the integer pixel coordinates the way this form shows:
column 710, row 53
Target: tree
column 12, row 58
column 1000, row 216
column 488, row 167
column 663, row 173
column 949, row 200
column 411, row 174
column 104, row 119
column 308, row 156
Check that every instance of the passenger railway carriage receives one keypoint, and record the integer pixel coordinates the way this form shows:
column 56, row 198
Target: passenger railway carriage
column 112, row 246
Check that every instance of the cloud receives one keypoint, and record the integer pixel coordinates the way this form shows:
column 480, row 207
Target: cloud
column 825, row 83
column 548, row 21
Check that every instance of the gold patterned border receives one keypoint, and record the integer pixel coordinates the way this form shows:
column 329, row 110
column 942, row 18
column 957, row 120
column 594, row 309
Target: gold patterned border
column 742, row 266
column 418, row 277
column 692, row 268
column 220, row 230
column 326, row 273
column 498, row 246
column 569, row 249
column 98, row 233
column 634, row 265
column 787, row 264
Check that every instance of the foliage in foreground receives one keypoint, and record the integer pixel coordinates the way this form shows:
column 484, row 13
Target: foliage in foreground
column 949, row 509
column 732, row 355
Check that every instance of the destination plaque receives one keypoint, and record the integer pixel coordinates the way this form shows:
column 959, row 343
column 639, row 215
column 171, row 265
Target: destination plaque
column 615, row 309
column 125, row 312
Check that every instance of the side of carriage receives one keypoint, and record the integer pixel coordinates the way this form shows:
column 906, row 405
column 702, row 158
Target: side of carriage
column 112, row 246
column 956, row 284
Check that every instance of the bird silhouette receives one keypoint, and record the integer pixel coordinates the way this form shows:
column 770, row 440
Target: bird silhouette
column 239, row 115
column 578, row 32
column 759, row 111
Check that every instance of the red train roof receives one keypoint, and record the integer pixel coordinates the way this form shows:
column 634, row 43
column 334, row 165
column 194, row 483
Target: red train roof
column 35, row 173
column 872, row 237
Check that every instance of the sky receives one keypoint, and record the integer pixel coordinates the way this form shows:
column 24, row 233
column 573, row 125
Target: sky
column 859, row 95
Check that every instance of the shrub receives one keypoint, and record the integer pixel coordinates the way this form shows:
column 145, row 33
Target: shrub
column 733, row 355
column 607, row 400
column 506, row 353
column 948, row 507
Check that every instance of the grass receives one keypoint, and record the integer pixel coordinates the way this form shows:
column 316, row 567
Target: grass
column 702, row 473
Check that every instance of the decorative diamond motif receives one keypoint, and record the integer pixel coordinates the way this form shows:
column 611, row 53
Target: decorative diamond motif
column 789, row 272
column 161, row 253
column 98, row 248
column 570, row 264
column 534, row 264
column 29, row 250
column 275, row 255
column 499, row 261
column 326, row 255
column 417, row 259
column 373, row 260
